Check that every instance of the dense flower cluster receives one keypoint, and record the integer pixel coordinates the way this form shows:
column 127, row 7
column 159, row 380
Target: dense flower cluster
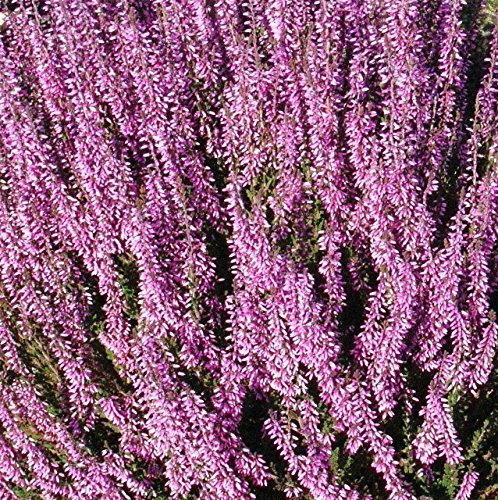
column 247, row 249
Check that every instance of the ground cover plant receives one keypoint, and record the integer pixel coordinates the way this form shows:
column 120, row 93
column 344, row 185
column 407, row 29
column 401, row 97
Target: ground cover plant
column 248, row 249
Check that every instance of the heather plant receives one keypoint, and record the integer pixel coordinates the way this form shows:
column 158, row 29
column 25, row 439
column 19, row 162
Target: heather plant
column 248, row 249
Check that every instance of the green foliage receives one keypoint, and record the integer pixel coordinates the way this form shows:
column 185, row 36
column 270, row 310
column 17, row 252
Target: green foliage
column 129, row 279
column 24, row 493
column 47, row 379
